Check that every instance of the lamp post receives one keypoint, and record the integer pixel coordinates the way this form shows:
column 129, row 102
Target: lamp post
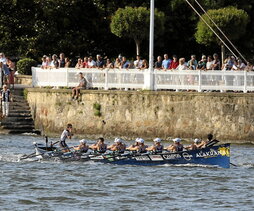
column 149, row 76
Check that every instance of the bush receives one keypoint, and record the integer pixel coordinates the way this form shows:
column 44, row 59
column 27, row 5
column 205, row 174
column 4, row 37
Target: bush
column 24, row 66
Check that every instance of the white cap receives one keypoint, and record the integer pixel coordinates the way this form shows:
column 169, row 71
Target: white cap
column 196, row 140
column 83, row 141
column 118, row 140
column 141, row 141
column 177, row 140
column 137, row 139
column 157, row 140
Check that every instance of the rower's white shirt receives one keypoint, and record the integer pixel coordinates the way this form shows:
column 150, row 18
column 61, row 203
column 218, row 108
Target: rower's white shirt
column 65, row 135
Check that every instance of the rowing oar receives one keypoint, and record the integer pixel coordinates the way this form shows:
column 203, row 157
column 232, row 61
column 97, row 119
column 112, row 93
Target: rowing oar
column 55, row 143
column 29, row 156
column 233, row 164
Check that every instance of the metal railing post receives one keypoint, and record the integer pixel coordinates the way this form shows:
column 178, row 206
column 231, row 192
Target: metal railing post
column 67, row 77
column 199, row 81
column 106, row 79
column 245, row 82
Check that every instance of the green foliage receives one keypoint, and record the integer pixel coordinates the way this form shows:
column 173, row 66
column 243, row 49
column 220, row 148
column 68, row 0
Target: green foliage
column 24, row 66
column 97, row 113
column 134, row 22
column 97, row 106
column 97, row 109
column 232, row 22
column 25, row 93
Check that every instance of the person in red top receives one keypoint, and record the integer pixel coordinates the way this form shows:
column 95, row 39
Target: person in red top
column 85, row 63
column 174, row 64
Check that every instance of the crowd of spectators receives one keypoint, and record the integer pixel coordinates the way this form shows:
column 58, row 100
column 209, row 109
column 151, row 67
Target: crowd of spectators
column 166, row 63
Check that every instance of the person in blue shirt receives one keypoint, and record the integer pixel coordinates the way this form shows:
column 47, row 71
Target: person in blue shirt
column 166, row 62
column 125, row 64
column 192, row 63
column 100, row 62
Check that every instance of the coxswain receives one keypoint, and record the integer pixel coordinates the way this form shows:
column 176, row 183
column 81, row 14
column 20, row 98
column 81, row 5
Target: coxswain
column 82, row 147
column 194, row 145
column 205, row 142
column 118, row 146
column 66, row 134
column 157, row 146
column 176, row 146
column 100, row 146
column 133, row 146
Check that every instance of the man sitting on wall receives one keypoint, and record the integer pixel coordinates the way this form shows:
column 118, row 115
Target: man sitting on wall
column 82, row 85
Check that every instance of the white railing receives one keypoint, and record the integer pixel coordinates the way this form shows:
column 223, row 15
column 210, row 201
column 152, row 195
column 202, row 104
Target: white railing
column 135, row 79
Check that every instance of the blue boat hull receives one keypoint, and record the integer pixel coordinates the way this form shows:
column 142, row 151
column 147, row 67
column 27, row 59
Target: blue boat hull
column 215, row 156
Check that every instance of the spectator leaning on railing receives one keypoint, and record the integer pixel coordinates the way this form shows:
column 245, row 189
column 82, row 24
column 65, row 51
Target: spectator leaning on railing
column 174, row 63
column 85, row 62
column 202, row 63
column 166, row 62
column 138, row 63
column 192, row 63
column 209, row 63
column 91, row 63
column 117, row 63
column 99, row 62
column 61, row 60
column 125, row 64
column 54, row 62
column 216, row 62
column 79, row 64
column 158, row 63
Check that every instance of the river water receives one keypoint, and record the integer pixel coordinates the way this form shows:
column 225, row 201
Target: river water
column 50, row 186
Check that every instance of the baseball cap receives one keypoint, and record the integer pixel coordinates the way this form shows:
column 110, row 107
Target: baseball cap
column 157, row 140
column 177, row 140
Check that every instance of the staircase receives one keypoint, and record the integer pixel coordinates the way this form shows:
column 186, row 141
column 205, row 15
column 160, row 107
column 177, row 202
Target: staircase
column 20, row 119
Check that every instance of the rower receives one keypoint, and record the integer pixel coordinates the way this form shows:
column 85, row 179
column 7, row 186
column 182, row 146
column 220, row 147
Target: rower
column 140, row 147
column 176, row 146
column 65, row 134
column 133, row 146
column 118, row 146
column 204, row 143
column 194, row 145
column 100, row 146
column 82, row 147
column 157, row 147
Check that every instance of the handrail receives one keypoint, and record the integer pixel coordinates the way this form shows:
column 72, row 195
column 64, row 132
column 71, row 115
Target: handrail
column 198, row 80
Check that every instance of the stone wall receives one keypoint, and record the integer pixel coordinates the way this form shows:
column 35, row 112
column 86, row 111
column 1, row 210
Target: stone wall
column 229, row 116
column 23, row 79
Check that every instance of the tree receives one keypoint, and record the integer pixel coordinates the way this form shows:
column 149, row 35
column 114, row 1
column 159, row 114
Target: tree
column 231, row 21
column 134, row 23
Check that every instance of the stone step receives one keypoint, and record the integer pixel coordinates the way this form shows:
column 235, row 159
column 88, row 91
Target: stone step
column 17, row 119
column 20, row 119
column 19, row 107
column 10, row 123
column 19, row 111
column 20, row 115
column 15, row 127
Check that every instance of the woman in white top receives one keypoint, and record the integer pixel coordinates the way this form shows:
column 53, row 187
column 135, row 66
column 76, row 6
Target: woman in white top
column 182, row 65
column 209, row 63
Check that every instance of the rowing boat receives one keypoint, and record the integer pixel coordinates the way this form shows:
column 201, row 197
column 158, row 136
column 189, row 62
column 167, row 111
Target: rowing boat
column 210, row 156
